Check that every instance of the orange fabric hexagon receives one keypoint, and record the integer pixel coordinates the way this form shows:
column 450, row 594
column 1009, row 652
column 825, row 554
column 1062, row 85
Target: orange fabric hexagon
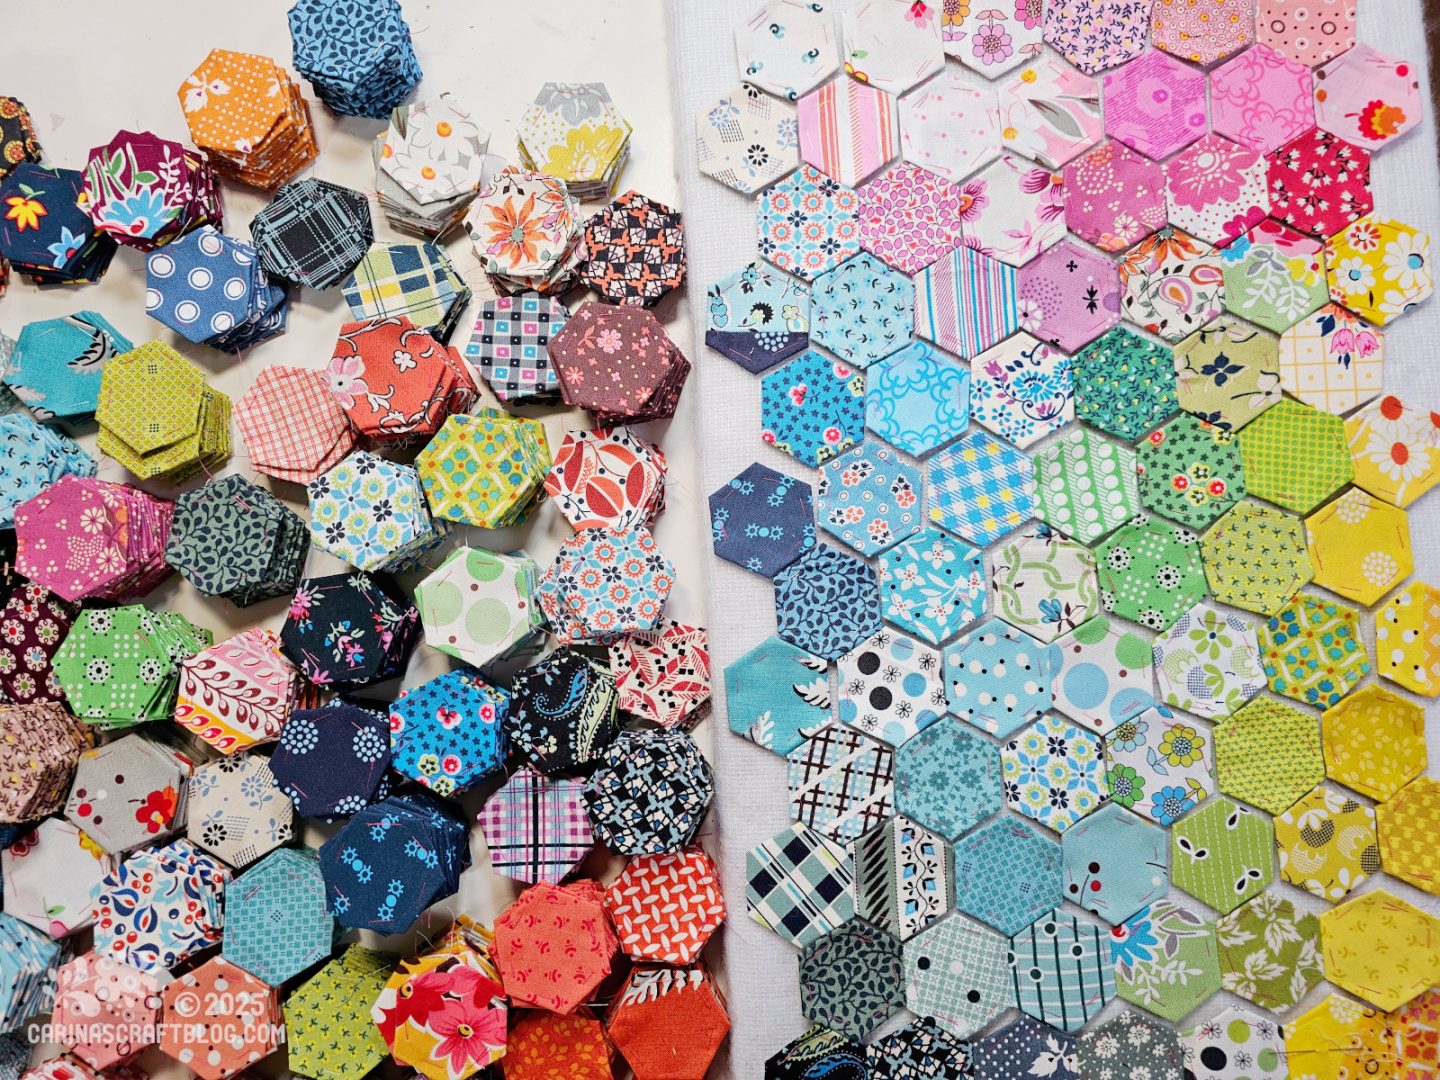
column 666, row 907
column 668, row 1023
column 554, row 945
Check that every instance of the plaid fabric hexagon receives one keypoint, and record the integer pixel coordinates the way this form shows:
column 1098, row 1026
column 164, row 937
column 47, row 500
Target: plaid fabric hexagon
column 841, row 783
column 312, row 232
column 536, row 828
column 417, row 281
column 799, row 884
column 508, row 345
column 981, row 489
column 650, row 793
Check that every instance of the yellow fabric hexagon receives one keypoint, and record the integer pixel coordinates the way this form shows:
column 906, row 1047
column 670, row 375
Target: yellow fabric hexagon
column 1341, row 1038
column 1360, row 546
column 1374, row 742
column 1381, row 948
column 1379, row 268
column 1326, row 843
column 1408, row 825
column 1395, row 449
column 1407, row 639
column 1268, row 754
column 1295, row 456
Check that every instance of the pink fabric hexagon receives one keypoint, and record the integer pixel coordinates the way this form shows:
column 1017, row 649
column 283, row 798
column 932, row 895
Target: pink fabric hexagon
column 1069, row 296
column 1202, row 31
column 1113, row 196
column 1261, row 99
column 949, row 127
column 1367, row 97
column 1098, row 34
column 1049, row 112
column 1309, row 32
column 909, row 216
column 1020, row 210
column 1319, row 183
column 1216, row 189
column 848, row 130
column 1155, row 105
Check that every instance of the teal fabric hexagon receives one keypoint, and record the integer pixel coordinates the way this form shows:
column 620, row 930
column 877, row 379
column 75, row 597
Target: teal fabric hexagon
column 869, row 498
column 932, row 585
column 1007, row 874
column 998, row 678
column 1062, row 969
column 947, row 779
column 917, row 400
column 776, row 691
column 1114, row 863
column 812, row 408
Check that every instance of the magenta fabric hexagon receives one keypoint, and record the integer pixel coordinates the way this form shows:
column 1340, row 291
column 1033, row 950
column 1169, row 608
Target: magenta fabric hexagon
column 848, row 130
column 1114, row 197
column 1155, row 105
column 1319, row 183
column 909, row 216
column 1216, row 189
column 1018, row 212
column 949, row 127
column 965, row 302
column 1098, row 34
column 1309, row 32
column 1261, row 99
column 1049, row 112
column 1203, row 32
column 1069, row 296
column 1367, row 97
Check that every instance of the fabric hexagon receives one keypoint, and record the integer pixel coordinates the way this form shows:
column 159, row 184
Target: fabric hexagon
column 787, row 48
column 932, row 117
column 120, row 666
column 1381, row 948
column 904, row 877
column 1155, row 105
column 1044, row 584
column 809, row 222
column 817, row 1048
column 584, row 606
column 632, row 252
column 1308, row 35
column 1295, row 456
column 293, row 427
column 890, row 687
column 524, row 228
column 1367, row 97
column 395, row 380
column 1405, row 639
column 758, row 713
column 1395, row 449
column 665, row 907
column 869, row 498
column 1261, row 99
column 966, row 301
column 1126, row 1042
column 448, row 733
column 668, row 1019
column 234, row 539
column 813, row 408
column 1166, row 960
column 1095, row 35
column 1069, row 295
column 826, row 602
column 921, row 1044
column 1255, row 558
column 158, row 416
column 1007, row 874
column 1227, row 373
column 1063, row 975
column 1374, row 742
column 131, row 921
column 1319, row 183
column 536, row 828
column 93, row 989
column 485, row 468
column 1190, row 471
column 1114, row 864
column 1049, row 112
column 1326, row 844
column 1160, row 768
column 1022, row 389
column 762, row 520
column 202, row 1036
column 916, row 400
column 1215, row 190
column 371, row 513
column 348, row 771
column 56, row 365
column 1268, row 754
column 841, row 783
column 955, row 972
column 1124, row 384
column 1269, row 952
column 53, row 874
column 616, row 362
column 1017, row 210
column 933, row 585
column 851, row 979
column 663, row 675
column 861, row 310
column 1406, row 821
column 1086, row 485
column 1208, row 662
column 1313, row 651
column 998, row 678
column 746, row 139
column 312, row 232
column 992, row 41
column 1274, row 276
column 910, row 216
column 1113, row 196
column 1150, row 573
column 562, row 712
column 1173, row 284
column 1222, row 854
column 331, row 1009
column 1235, row 1035
column 236, row 809
column 576, row 956
column 607, row 478
column 476, row 605
column 757, row 317
column 540, row 1044
column 981, row 489
column 799, row 884
column 1102, row 674
column 276, row 925
column 848, row 129
column 945, row 778
column 1379, row 268
column 650, row 793
column 1332, row 360
column 1053, row 772
column 1360, row 546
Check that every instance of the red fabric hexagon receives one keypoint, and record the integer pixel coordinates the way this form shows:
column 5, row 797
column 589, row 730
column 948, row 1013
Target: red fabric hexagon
column 666, row 907
column 554, row 944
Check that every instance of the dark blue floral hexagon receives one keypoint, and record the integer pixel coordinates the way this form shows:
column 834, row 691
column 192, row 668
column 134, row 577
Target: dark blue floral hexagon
column 813, row 408
column 863, row 310
column 762, row 520
column 827, row 602
column 869, row 498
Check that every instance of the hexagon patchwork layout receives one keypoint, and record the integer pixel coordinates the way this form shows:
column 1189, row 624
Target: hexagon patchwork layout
column 1360, row 546
column 1113, row 196
column 1274, row 276
column 1269, row 952
column 1097, row 34
column 808, row 223
column 933, row 585
column 869, row 498
column 1054, row 772
column 1295, row 456
column 1379, row 268
column 1381, row 948
column 1261, row 99
column 1190, row 471
column 812, row 408
column 1312, row 650
column 891, row 687
column 889, row 49
column 848, row 129
column 981, row 489
column 1044, row 584
column 1255, row 558
column 1407, row 639
column 1007, row 874
column 1268, row 754
column 965, row 302
column 1062, row 971
column 1103, row 675
column 917, row 400
column 1069, row 295
column 955, row 971
column 1049, row 112
column 1215, row 189
column 1374, row 742
column 762, row 520
column 1319, row 183
column 1166, row 960
column 1172, row 284
column 1160, row 768
column 1155, row 105
column 826, row 602
column 1150, row 573
column 998, row 678
column 1227, row 373
column 909, row 216
column 1114, row 864
column 1222, row 854
column 1208, row 662
column 1086, row 485
column 1326, row 844
column 1201, row 31
column 949, row 127
column 1406, row 823
column 862, row 310
column 787, row 47
column 1124, row 384
column 1367, row 97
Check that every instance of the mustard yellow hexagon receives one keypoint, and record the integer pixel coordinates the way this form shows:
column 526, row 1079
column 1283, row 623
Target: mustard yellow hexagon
column 1374, row 742
column 1360, row 546
column 1268, row 754
column 1326, row 843
column 1408, row 825
column 1340, row 1038
column 1381, row 948
column 1407, row 639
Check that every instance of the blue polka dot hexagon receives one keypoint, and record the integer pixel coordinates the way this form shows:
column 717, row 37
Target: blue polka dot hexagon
column 998, row 678
column 812, row 408
column 933, row 585
column 1114, row 864
column 869, row 498
column 827, row 602
column 762, row 520
column 917, row 400
column 947, row 779
column 1054, row 772
column 981, row 488
column 1007, row 874
column 890, row 686
column 863, row 310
